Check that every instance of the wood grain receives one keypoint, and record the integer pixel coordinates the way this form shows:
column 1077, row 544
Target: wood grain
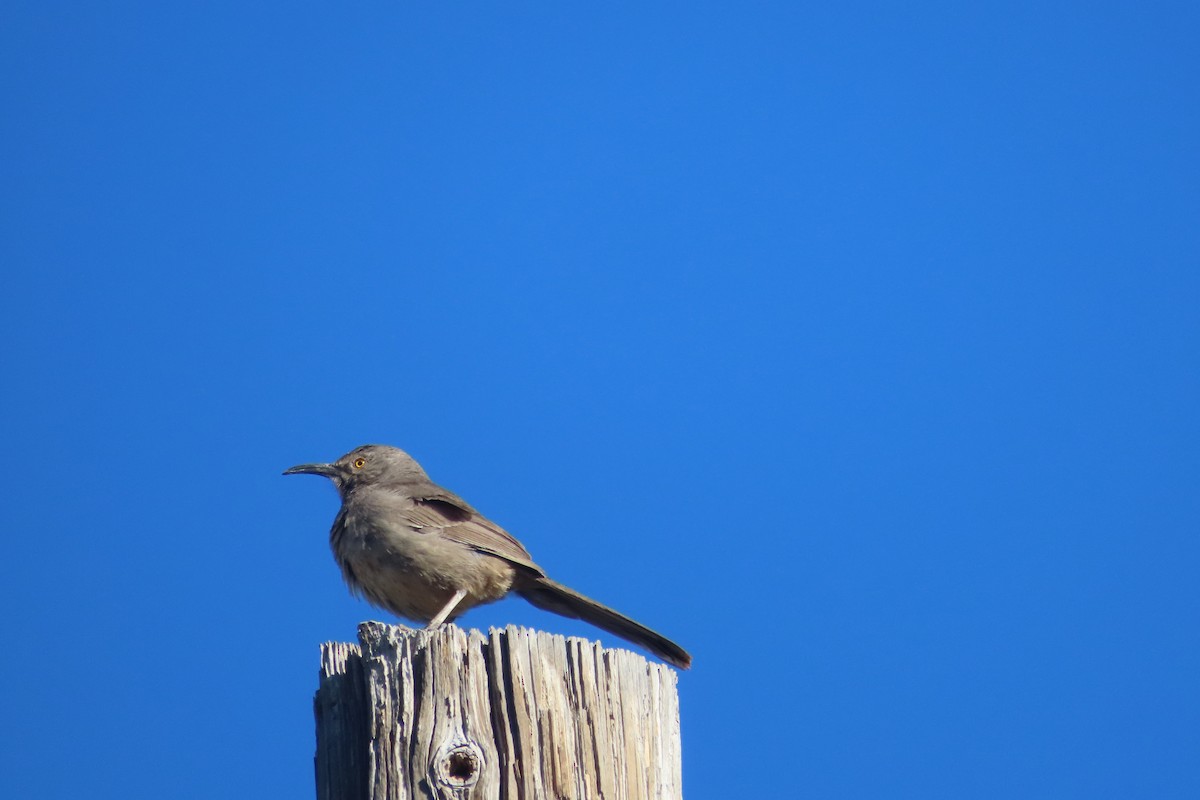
column 516, row 714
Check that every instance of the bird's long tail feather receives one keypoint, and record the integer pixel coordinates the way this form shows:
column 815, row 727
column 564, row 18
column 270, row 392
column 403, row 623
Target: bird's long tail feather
column 551, row 596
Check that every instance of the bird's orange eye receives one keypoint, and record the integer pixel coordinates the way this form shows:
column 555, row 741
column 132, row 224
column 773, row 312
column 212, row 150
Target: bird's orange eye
column 359, row 463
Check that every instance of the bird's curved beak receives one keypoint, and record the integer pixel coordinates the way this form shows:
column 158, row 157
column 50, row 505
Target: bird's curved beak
column 328, row 470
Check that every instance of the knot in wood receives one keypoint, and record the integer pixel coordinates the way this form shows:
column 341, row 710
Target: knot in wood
column 458, row 764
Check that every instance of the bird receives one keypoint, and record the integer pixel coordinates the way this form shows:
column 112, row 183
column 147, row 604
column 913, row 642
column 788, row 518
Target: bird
column 421, row 552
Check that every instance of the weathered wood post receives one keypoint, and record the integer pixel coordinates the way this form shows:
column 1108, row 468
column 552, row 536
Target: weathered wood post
column 516, row 714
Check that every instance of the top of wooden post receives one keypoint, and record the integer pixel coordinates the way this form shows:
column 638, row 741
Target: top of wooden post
column 514, row 714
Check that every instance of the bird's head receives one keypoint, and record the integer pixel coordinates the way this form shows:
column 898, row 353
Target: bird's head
column 369, row 465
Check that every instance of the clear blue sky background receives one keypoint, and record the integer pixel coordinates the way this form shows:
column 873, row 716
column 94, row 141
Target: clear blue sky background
column 853, row 345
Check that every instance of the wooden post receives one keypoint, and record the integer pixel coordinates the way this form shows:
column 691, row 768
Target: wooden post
column 517, row 714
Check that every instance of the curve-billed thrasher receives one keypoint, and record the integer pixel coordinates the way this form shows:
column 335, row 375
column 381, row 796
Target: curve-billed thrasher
column 409, row 546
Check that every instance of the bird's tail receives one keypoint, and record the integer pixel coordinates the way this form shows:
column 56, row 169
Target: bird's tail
column 546, row 594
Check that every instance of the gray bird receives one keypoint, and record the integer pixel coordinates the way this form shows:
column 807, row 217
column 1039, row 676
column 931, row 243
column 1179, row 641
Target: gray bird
column 412, row 548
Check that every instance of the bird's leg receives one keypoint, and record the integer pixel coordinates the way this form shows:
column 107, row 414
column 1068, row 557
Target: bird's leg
column 445, row 612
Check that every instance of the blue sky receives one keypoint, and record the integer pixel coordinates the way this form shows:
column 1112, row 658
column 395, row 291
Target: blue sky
column 854, row 346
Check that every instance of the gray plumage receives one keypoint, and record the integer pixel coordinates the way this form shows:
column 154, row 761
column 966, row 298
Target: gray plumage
column 421, row 552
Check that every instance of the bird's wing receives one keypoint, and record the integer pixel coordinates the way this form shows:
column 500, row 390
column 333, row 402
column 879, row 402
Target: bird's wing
column 451, row 517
